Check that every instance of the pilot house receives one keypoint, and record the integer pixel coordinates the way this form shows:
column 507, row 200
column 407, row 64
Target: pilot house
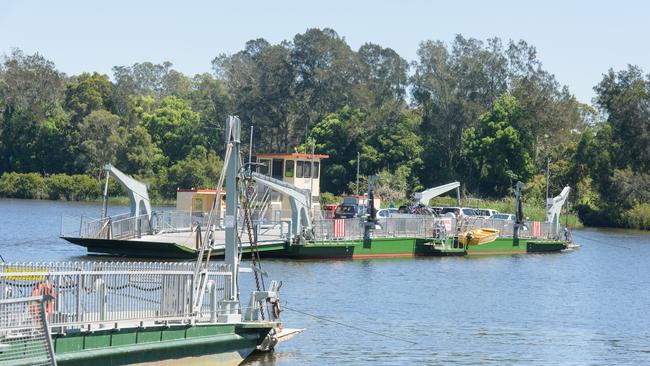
column 301, row 170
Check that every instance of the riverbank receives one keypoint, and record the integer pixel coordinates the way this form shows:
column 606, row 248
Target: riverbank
column 63, row 187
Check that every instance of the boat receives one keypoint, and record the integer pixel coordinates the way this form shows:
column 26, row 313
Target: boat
column 478, row 236
column 142, row 313
column 287, row 223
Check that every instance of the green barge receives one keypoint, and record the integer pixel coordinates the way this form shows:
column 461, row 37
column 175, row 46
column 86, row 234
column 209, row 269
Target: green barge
column 297, row 234
column 412, row 247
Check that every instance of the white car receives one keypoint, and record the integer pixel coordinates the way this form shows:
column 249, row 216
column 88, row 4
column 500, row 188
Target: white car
column 502, row 216
column 385, row 213
column 486, row 212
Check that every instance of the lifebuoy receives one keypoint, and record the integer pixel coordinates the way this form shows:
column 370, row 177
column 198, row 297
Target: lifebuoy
column 43, row 289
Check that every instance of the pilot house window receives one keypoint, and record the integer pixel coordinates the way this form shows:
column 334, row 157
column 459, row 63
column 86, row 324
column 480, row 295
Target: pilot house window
column 288, row 168
column 299, row 172
column 278, row 168
column 306, row 169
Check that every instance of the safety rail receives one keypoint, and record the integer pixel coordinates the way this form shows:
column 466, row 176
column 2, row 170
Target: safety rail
column 423, row 227
column 86, row 293
column 354, row 229
column 178, row 221
column 24, row 332
column 531, row 230
column 121, row 226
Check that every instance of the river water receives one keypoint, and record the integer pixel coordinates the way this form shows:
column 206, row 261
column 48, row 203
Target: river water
column 584, row 307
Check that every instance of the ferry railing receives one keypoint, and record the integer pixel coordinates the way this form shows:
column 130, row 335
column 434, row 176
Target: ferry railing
column 424, row 227
column 125, row 293
column 130, row 227
column 178, row 221
column 269, row 230
column 391, row 227
column 532, row 229
column 89, row 227
column 24, row 332
column 181, row 221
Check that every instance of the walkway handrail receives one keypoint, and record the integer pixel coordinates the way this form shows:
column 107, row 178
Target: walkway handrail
column 93, row 293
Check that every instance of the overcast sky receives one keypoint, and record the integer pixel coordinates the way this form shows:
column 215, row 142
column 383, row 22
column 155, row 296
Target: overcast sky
column 577, row 41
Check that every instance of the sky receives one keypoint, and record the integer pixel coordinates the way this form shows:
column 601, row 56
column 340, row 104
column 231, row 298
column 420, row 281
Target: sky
column 577, row 41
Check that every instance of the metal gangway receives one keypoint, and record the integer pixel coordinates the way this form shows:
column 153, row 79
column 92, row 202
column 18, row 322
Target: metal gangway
column 24, row 332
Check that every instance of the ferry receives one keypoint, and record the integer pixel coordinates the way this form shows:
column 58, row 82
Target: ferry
column 287, row 222
column 143, row 313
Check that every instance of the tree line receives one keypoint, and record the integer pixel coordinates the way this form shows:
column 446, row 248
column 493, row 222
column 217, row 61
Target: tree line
column 484, row 112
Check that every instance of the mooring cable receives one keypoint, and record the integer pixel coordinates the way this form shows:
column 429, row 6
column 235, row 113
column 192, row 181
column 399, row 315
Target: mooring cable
column 600, row 241
column 11, row 242
column 350, row 326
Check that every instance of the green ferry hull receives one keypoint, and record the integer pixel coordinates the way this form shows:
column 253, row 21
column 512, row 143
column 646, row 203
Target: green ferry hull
column 521, row 246
column 333, row 249
column 224, row 344
column 411, row 247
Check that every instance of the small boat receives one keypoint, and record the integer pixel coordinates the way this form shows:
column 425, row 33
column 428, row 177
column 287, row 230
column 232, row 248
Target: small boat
column 479, row 236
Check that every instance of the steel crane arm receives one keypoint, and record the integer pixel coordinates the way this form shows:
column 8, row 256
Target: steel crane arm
column 554, row 205
column 424, row 197
column 136, row 190
column 300, row 195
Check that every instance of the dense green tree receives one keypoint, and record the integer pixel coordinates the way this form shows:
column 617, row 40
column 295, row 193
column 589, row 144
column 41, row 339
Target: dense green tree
column 31, row 90
column 212, row 101
column 327, row 71
column 101, row 139
column 174, row 128
column 625, row 97
column 394, row 142
column 496, row 155
column 384, row 75
column 260, row 79
column 200, row 169
column 332, row 136
column 138, row 154
column 86, row 93
column 146, row 78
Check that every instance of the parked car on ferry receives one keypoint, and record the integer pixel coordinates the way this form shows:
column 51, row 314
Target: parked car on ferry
column 485, row 212
column 346, row 211
column 455, row 210
column 415, row 210
column 502, row 216
column 385, row 213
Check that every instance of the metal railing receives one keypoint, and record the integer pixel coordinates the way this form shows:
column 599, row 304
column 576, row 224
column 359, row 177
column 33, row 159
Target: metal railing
column 122, row 226
column 24, row 332
column 532, row 230
column 100, row 292
column 354, row 229
column 178, row 221
column 423, row 227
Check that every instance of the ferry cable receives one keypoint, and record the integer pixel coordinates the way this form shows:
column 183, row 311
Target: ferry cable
column 602, row 242
column 254, row 250
column 13, row 242
column 351, row 326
